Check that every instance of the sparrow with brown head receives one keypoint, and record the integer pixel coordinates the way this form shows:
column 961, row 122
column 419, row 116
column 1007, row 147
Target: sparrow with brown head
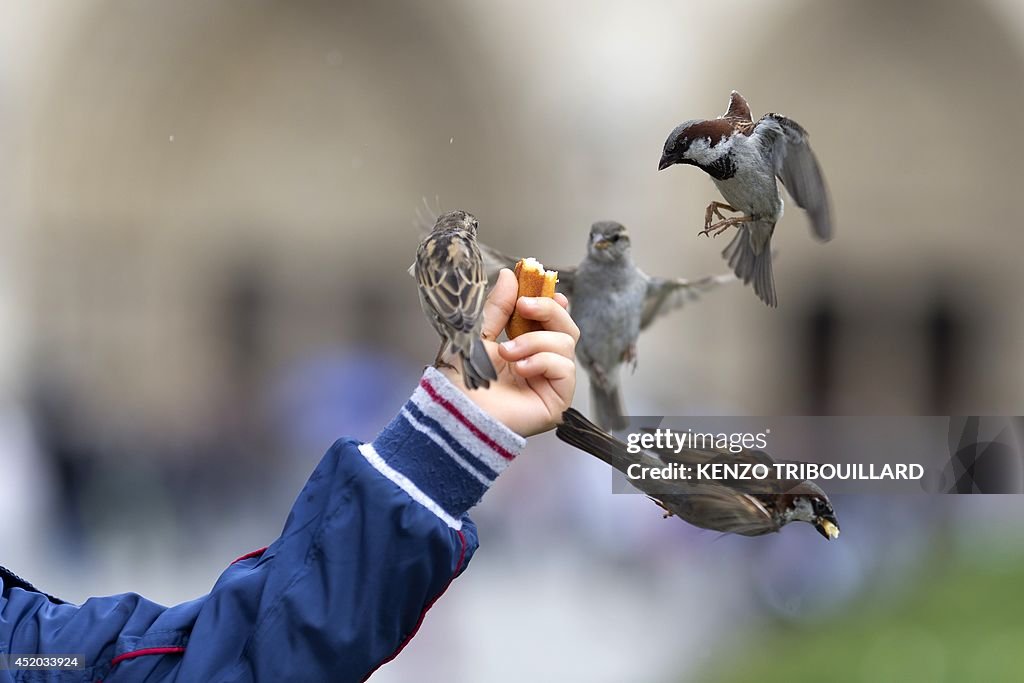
column 744, row 158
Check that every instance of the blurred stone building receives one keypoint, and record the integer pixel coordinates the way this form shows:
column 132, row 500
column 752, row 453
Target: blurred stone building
column 176, row 154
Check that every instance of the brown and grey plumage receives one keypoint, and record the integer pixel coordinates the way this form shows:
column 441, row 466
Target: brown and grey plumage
column 452, row 288
column 612, row 301
column 744, row 158
column 730, row 506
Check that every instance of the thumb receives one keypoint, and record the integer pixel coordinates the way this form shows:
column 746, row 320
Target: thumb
column 500, row 304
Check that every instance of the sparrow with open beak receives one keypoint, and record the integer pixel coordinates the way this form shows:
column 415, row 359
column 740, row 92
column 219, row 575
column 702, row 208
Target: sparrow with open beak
column 612, row 302
column 452, row 288
column 743, row 158
column 748, row 508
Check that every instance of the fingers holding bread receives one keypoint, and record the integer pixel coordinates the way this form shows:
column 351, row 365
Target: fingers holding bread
column 549, row 314
column 534, row 282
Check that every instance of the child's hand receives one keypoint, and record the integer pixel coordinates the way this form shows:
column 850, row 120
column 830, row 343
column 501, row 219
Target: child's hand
column 536, row 370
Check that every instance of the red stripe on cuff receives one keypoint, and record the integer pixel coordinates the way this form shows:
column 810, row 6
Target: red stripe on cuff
column 457, row 414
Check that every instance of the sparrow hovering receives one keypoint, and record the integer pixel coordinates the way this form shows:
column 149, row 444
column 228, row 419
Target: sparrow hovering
column 743, row 158
column 612, row 302
column 452, row 288
column 729, row 506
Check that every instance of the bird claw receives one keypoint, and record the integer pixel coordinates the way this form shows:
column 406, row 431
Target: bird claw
column 717, row 229
column 713, row 231
column 629, row 356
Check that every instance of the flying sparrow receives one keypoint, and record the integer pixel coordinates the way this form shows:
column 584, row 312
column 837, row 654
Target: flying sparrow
column 452, row 287
column 730, row 506
column 743, row 158
column 612, row 302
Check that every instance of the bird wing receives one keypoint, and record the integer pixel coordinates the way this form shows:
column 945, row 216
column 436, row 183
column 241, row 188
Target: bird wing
column 738, row 109
column 566, row 280
column 495, row 260
column 451, row 276
column 693, row 457
column 665, row 295
column 710, row 505
column 798, row 169
column 721, row 509
column 698, row 456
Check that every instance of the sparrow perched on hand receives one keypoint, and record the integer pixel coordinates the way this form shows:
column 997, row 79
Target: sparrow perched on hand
column 452, row 288
column 730, row 506
column 612, row 301
column 743, row 158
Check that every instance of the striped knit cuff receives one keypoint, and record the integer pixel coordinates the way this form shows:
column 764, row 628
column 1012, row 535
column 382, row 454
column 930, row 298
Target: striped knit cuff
column 442, row 449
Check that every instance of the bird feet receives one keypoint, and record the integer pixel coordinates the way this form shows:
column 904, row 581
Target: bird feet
column 723, row 225
column 629, row 356
column 668, row 513
column 715, row 210
column 439, row 362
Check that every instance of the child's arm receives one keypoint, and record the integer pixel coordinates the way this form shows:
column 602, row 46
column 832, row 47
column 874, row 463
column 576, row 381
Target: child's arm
column 376, row 535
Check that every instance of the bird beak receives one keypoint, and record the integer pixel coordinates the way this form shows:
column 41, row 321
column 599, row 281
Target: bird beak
column 664, row 163
column 602, row 244
column 827, row 527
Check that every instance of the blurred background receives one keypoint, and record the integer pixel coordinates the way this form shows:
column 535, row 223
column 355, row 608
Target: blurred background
column 207, row 211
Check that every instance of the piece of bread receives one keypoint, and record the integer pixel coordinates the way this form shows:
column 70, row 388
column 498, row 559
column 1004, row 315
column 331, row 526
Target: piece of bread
column 533, row 281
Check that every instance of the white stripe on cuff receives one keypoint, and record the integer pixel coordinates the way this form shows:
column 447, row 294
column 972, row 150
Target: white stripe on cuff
column 460, row 432
column 494, row 429
column 403, row 482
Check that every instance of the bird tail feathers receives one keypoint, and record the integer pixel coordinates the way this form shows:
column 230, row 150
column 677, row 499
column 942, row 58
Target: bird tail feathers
column 581, row 433
column 606, row 406
column 753, row 265
column 477, row 369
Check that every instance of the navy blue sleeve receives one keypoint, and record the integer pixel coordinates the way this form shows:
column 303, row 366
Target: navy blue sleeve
column 375, row 537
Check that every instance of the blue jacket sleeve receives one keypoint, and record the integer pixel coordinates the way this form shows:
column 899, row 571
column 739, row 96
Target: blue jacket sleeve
column 374, row 538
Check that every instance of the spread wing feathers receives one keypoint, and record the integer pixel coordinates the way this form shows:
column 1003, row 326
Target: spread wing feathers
column 721, row 509
column 709, row 505
column 699, row 456
column 578, row 431
column 738, row 109
column 665, row 295
column 495, row 260
column 798, row 169
column 452, row 280
column 693, row 457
